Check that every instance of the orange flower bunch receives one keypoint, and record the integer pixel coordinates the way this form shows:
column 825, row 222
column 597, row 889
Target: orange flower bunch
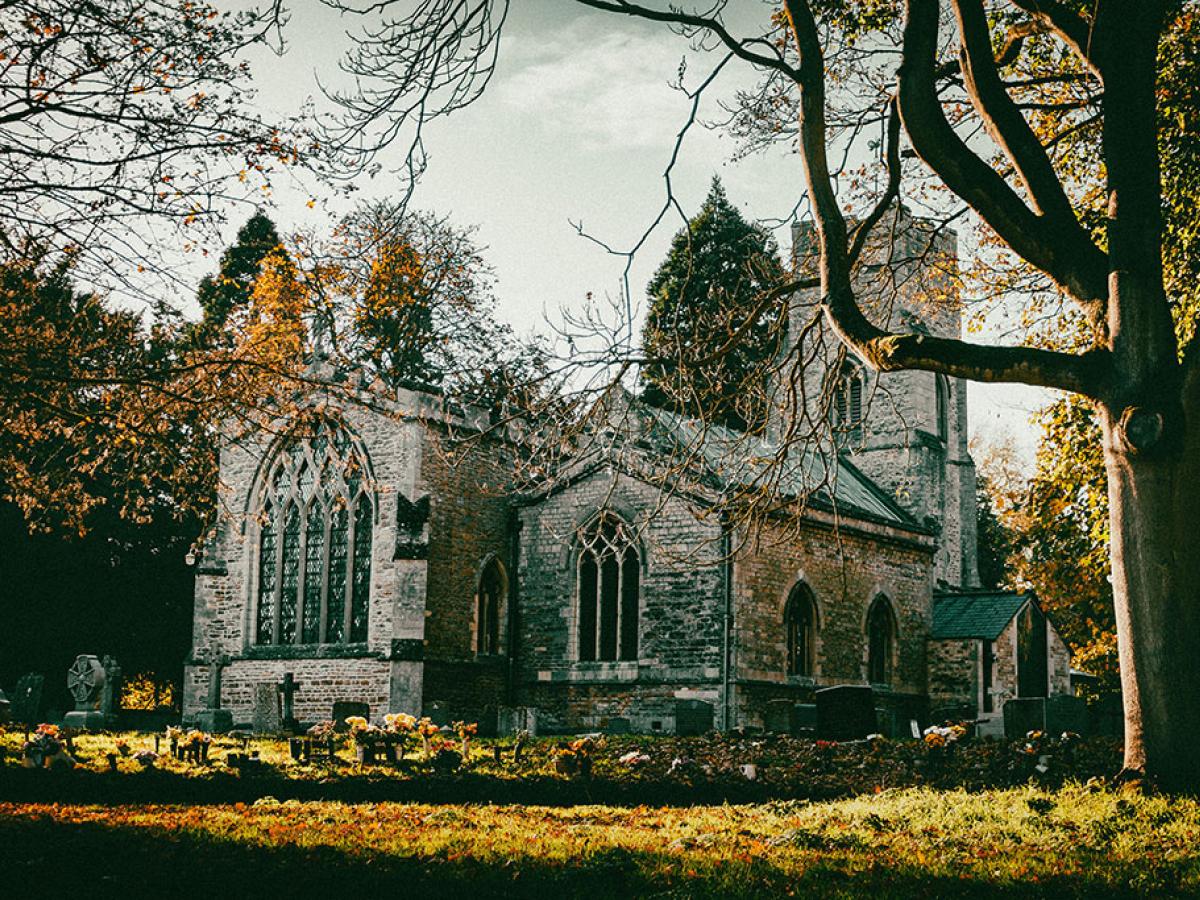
column 465, row 729
column 426, row 728
column 400, row 722
column 48, row 730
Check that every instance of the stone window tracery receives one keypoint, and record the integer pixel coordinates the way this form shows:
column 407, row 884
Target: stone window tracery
column 800, row 623
column 608, row 579
column 314, row 546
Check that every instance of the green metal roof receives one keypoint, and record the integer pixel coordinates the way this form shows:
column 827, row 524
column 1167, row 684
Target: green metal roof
column 733, row 457
column 975, row 615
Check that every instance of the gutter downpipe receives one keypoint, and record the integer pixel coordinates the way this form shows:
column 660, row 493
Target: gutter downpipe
column 727, row 564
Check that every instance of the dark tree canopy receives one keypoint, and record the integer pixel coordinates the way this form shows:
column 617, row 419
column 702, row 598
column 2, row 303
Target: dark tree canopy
column 708, row 338
column 230, row 288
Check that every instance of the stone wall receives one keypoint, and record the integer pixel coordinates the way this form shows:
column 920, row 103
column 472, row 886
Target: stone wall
column 845, row 572
column 954, row 672
column 681, row 636
column 385, row 670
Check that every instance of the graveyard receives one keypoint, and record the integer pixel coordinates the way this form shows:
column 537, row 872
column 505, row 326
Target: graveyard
column 663, row 816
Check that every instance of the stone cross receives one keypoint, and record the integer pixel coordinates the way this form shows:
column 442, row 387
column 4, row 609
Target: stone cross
column 110, row 696
column 288, row 689
column 217, row 662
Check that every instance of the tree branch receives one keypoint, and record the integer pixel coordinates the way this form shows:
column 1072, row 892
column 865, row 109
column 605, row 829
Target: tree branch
column 1079, row 269
column 1085, row 374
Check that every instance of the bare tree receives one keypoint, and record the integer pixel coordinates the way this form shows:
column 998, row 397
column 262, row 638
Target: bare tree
column 125, row 126
column 1004, row 133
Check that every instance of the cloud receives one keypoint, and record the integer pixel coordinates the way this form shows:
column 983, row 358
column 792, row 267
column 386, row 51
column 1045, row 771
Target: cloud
column 611, row 90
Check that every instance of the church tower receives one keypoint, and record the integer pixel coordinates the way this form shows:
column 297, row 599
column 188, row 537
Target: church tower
column 907, row 431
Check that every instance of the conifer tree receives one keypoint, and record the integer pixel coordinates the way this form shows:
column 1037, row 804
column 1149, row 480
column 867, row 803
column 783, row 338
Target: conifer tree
column 220, row 294
column 704, row 358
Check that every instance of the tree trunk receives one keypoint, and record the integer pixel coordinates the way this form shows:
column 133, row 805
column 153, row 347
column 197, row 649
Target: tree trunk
column 1154, row 498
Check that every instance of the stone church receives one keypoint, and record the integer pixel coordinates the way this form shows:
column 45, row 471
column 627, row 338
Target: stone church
column 376, row 559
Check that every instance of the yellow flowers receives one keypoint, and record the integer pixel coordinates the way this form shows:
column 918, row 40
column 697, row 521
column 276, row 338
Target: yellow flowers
column 399, row 722
column 356, row 723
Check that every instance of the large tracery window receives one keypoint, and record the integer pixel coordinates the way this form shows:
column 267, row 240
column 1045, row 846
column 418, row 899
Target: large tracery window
column 608, row 580
column 314, row 547
column 800, row 622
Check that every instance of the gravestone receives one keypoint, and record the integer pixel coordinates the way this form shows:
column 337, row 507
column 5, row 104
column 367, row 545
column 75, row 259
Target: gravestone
column 618, row 725
column 5, row 709
column 287, row 690
column 213, row 718
column 266, row 717
column 780, row 717
column 110, row 694
column 1023, row 715
column 693, row 717
column 806, row 718
column 1106, row 716
column 344, row 709
column 86, row 680
column 845, row 712
column 1066, row 713
column 27, row 699
column 438, row 713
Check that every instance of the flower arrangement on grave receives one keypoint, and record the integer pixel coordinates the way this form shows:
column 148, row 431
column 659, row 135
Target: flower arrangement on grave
column 427, row 730
column 938, row 737
column 575, row 756
column 466, row 731
column 323, row 731
column 44, row 747
column 399, row 729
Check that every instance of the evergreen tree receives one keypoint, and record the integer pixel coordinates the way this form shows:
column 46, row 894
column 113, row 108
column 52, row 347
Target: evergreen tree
column 220, row 294
column 705, row 357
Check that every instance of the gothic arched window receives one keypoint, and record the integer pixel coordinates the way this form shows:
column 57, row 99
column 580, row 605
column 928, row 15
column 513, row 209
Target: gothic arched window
column 881, row 641
column 800, row 623
column 314, row 545
column 607, row 575
column 492, row 590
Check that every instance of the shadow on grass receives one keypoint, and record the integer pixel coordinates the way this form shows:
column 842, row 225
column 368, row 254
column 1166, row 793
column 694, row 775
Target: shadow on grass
column 112, row 860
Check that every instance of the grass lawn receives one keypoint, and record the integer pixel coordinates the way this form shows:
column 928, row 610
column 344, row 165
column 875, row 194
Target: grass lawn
column 1074, row 841
column 879, row 819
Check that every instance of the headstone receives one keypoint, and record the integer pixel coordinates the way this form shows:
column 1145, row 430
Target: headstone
column 438, row 713
column 693, row 717
column 110, row 695
column 780, row 717
column 1066, row 713
column 287, row 690
column 1106, row 716
column 1023, row 715
column 27, row 699
column 5, row 709
column 618, row 725
column 266, row 717
column 344, row 709
column 213, row 718
column 806, row 717
column 845, row 712
column 86, row 681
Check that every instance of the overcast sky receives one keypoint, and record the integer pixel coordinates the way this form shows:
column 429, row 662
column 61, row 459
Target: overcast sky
column 577, row 126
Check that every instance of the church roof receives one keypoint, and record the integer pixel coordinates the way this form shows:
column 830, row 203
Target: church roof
column 732, row 457
column 976, row 614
